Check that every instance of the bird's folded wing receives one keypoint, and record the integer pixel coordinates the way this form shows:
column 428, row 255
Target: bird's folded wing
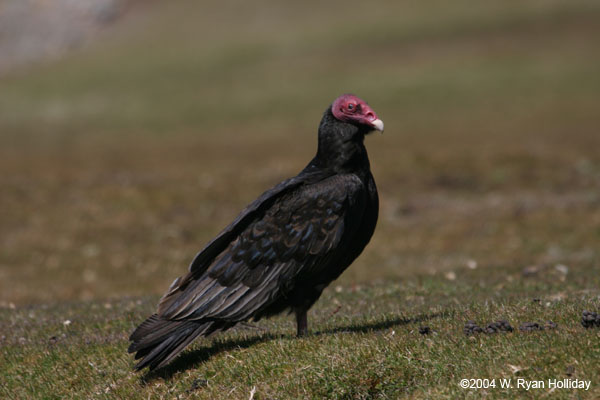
column 295, row 235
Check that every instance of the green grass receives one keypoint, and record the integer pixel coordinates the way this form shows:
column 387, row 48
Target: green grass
column 120, row 161
column 365, row 343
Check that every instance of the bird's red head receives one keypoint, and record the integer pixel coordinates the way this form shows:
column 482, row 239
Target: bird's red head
column 349, row 108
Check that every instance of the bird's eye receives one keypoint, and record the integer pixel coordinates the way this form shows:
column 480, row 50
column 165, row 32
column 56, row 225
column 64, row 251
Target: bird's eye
column 350, row 107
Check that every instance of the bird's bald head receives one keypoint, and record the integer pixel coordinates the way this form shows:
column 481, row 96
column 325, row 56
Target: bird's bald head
column 351, row 109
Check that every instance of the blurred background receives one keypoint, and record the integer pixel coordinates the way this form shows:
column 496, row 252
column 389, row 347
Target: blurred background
column 132, row 132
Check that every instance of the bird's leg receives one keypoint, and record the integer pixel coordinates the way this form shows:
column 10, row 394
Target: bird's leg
column 301, row 321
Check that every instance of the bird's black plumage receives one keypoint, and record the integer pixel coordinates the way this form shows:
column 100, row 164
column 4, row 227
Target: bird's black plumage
column 281, row 251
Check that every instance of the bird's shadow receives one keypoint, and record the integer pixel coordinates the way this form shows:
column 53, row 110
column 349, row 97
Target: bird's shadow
column 196, row 357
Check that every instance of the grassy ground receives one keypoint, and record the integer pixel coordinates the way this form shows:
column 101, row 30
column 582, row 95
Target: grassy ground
column 365, row 343
column 119, row 162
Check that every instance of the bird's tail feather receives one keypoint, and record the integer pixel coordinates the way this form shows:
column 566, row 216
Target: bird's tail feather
column 157, row 341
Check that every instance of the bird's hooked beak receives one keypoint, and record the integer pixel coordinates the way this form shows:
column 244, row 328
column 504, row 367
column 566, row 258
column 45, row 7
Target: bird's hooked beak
column 378, row 125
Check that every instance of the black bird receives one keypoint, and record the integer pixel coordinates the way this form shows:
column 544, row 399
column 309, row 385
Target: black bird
column 282, row 250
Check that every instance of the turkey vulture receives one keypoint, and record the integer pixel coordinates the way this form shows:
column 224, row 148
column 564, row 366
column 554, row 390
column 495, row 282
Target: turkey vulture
column 282, row 250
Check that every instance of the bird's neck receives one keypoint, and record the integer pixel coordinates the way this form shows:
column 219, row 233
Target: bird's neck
column 346, row 157
column 341, row 147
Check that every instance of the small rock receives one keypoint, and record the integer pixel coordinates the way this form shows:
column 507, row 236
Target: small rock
column 498, row 326
column 493, row 327
column 531, row 270
column 55, row 339
column 516, row 369
column 590, row 319
column 530, row 326
column 424, row 330
column 471, row 328
column 570, row 370
column 550, row 325
column 450, row 275
column 198, row 384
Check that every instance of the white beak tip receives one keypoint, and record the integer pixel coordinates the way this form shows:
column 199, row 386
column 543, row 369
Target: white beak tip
column 378, row 124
